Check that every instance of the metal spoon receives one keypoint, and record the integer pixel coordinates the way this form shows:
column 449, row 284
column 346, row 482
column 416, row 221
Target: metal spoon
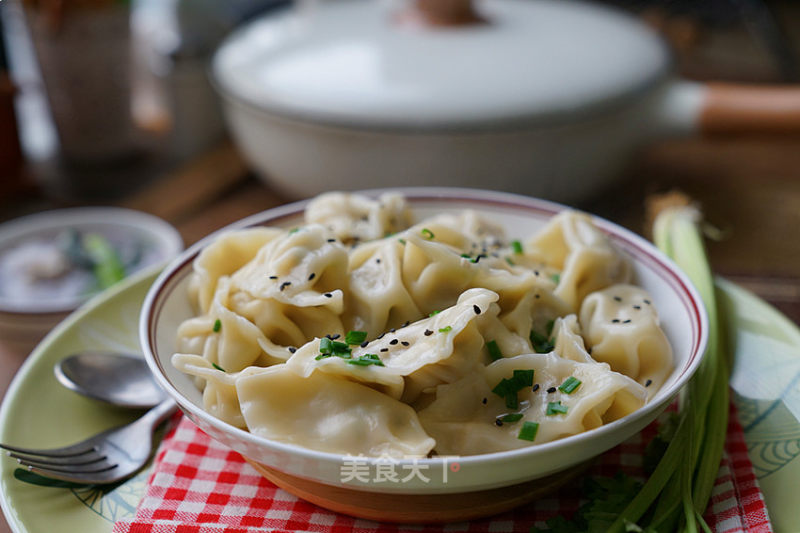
column 118, row 379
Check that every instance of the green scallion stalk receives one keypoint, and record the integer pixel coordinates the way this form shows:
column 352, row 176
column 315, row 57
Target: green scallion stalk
column 683, row 479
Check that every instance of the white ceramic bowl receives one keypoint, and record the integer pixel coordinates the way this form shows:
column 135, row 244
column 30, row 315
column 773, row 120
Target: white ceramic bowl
column 24, row 323
column 681, row 310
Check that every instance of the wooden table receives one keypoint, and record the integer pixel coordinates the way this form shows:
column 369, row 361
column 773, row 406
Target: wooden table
column 749, row 189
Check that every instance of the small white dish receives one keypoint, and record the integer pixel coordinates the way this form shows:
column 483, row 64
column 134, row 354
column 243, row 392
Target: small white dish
column 680, row 307
column 24, row 321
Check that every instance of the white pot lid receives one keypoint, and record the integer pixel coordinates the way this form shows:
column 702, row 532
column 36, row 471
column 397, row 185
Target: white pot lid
column 349, row 62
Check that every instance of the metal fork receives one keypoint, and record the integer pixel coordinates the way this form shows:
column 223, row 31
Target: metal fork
column 107, row 457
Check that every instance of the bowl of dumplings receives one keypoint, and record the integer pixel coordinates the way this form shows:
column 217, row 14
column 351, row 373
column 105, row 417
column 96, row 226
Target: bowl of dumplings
column 468, row 350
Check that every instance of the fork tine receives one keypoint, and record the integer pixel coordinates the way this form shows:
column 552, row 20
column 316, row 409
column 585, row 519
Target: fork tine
column 74, row 460
column 73, row 450
column 69, row 469
column 73, row 477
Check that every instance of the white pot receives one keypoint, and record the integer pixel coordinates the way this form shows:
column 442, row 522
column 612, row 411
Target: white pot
column 541, row 97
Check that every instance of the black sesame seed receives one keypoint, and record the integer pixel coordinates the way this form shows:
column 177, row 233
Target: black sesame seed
column 392, row 330
column 333, row 337
column 384, row 349
column 285, row 284
column 498, row 422
column 273, row 277
column 381, row 336
column 535, row 272
column 405, row 324
column 617, row 298
column 393, row 342
column 615, row 321
column 328, row 295
column 377, row 260
column 364, row 344
column 428, row 333
column 626, row 321
column 485, row 401
column 647, row 302
column 292, row 349
column 311, row 276
column 476, row 309
column 404, row 343
column 637, row 307
column 536, row 296
column 551, row 390
column 648, row 382
column 331, row 240
column 535, row 387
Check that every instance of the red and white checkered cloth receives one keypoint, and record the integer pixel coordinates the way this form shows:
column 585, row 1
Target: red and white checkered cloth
column 200, row 486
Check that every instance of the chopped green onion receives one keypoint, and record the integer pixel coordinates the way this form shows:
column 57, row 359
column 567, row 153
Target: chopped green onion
column 517, row 246
column 402, row 241
column 494, row 350
column 541, row 344
column 556, row 278
column 325, row 345
column 523, row 378
column 355, row 337
column 428, row 234
column 366, row 360
column 445, row 329
column 433, row 313
column 217, row 325
column 215, row 365
column 555, row 408
column 509, row 261
column 328, row 348
column 293, row 230
column 466, row 256
column 569, row 385
column 511, row 418
column 504, row 387
column 508, row 388
column 528, row 431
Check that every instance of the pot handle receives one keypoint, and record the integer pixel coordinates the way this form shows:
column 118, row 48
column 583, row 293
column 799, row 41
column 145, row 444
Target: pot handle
column 716, row 109
column 735, row 109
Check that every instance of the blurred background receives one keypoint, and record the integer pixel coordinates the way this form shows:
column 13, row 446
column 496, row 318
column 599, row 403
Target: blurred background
column 110, row 102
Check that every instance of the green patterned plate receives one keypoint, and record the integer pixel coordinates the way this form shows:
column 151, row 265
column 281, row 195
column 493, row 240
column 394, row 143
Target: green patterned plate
column 766, row 390
column 39, row 412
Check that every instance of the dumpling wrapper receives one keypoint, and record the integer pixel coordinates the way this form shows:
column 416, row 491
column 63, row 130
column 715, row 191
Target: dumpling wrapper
column 586, row 257
column 358, row 218
column 621, row 327
column 463, row 425
column 329, row 413
column 451, row 349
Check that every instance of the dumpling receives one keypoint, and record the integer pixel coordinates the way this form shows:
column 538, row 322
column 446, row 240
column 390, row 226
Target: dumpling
column 378, row 299
column 568, row 341
column 353, row 218
column 621, row 327
column 298, row 268
column 219, row 388
column 468, row 231
column 226, row 338
column 435, row 350
column 227, row 254
column 586, row 258
column 330, row 414
column 466, row 418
